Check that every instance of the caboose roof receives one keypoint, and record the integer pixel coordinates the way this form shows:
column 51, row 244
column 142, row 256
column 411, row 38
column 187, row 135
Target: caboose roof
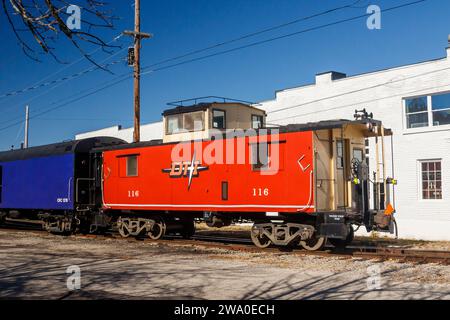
column 309, row 126
column 330, row 124
column 204, row 106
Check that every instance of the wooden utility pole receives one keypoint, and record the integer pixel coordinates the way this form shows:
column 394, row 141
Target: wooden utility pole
column 138, row 35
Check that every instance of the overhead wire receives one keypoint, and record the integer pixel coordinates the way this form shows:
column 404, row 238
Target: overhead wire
column 127, row 75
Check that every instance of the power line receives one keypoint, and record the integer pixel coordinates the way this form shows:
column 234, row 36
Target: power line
column 35, row 86
column 38, row 84
column 249, row 35
column 58, row 84
column 67, row 103
column 358, row 90
column 128, row 75
column 364, row 102
column 278, row 37
column 56, row 81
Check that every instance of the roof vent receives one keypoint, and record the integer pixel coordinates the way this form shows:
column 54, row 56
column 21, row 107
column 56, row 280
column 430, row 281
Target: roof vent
column 329, row 76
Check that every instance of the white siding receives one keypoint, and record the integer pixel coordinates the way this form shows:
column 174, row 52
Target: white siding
column 382, row 93
column 149, row 131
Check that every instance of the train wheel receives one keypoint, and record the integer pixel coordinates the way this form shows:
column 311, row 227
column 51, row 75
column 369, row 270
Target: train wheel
column 123, row 230
column 313, row 244
column 158, row 231
column 342, row 243
column 260, row 240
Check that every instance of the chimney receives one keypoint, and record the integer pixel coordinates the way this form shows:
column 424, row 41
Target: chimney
column 448, row 47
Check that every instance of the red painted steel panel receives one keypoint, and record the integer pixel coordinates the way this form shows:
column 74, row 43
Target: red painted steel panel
column 288, row 189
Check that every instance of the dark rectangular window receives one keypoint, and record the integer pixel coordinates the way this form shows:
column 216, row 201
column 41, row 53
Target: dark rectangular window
column 218, row 119
column 441, row 109
column 132, row 166
column 257, row 121
column 431, row 179
column 339, row 154
column 260, row 156
column 224, row 190
column 1, row 183
column 358, row 154
column 416, row 112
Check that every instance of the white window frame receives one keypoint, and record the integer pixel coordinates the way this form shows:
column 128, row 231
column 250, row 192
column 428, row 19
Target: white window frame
column 432, row 111
column 430, row 126
column 420, row 181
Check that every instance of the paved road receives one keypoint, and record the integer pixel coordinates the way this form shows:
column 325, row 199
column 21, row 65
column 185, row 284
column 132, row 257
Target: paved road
column 33, row 266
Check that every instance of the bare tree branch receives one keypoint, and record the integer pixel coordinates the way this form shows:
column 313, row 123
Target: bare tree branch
column 44, row 20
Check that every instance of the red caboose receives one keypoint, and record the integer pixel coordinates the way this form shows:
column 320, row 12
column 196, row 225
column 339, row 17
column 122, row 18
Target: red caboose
column 300, row 184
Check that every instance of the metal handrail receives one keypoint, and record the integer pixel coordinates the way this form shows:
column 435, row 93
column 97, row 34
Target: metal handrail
column 180, row 102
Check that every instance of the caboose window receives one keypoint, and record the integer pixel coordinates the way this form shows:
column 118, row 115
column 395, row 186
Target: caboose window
column 132, row 166
column 431, row 181
column 260, row 156
column 193, row 121
column 186, row 122
column 218, row 121
column 174, row 123
column 257, row 121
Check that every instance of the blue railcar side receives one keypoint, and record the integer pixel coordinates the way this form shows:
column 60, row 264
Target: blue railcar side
column 45, row 183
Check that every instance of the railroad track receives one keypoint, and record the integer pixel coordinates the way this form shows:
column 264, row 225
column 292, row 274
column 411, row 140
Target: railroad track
column 382, row 253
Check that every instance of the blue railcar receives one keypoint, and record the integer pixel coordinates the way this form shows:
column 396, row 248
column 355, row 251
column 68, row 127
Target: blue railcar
column 51, row 180
column 44, row 183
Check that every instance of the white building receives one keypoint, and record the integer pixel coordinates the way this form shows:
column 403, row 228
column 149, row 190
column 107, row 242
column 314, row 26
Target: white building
column 412, row 100
column 150, row 131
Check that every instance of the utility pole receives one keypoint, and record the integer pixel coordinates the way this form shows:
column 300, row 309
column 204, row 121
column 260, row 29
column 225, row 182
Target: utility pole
column 138, row 35
column 27, row 120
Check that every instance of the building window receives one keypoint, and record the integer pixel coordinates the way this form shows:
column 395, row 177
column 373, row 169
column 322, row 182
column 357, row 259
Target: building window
column 185, row 122
column 425, row 111
column 257, row 121
column 218, row 120
column 440, row 105
column 416, row 112
column 132, row 166
column 431, row 182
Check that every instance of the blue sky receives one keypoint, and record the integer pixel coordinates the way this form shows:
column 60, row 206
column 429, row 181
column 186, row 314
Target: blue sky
column 408, row 35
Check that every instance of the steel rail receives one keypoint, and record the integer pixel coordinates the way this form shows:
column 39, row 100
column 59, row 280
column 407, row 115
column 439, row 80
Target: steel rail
column 381, row 253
